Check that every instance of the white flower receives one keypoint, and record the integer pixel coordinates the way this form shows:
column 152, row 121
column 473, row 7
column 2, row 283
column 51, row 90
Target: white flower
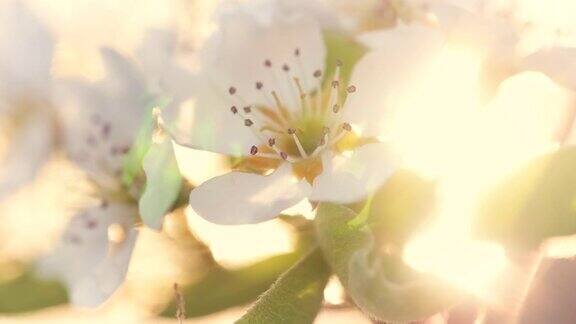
column 93, row 255
column 26, row 51
column 101, row 122
column 261, row 94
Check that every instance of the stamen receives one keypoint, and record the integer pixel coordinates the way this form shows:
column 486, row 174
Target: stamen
column 234, row 110
column 268, row 63
column 247, row 109
column 286, row 68
column 259, row 85
column 321, row 145
column 284, row 155
column 271, row 142
column 248, row 122
column 304, row 101
column 351, row 89
column 254, row 150
column 347, row 127
column 334, row 98
column 280, row 107
column 317, row 74
column 292, row 132
column 297, row 52
column 232, row 91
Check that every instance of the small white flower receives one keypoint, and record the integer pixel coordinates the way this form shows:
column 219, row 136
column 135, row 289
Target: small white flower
column 262, row 93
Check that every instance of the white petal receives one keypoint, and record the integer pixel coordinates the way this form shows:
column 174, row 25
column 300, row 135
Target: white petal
column 495, row 38
column 29, row 149
column 245, row 198
column 350, row 179
column 559, row 63
column 387, row 75
column 205, row 122
column 92, row 266
column 101, row 120
column 157, row 58
column 535, row 109
column 25, row 52
column 326, row 16
column 250, row 34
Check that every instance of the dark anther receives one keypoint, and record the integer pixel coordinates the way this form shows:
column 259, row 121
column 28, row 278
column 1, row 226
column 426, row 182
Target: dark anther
column 335, row 84
column 259, row 85
column 297, row 52
column 285, row 67
column 268, row 63
column 347, row 127
column 284, row 156
column 317, row 73
column 336, row 108
column 351, row 89
column 232, row 90
column 271, row 141
column 291, row 131
column 234, row 110
column 254, row 150
column 248, row 122
column 247, row 109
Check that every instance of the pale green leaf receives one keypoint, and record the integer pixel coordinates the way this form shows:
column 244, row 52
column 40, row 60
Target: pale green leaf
column 381, row 285
column 536, row 203
column 221, row 288
column 296, row 297
column 163, row 183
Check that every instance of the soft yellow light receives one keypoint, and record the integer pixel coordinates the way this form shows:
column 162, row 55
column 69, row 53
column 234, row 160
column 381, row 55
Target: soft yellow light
column 444, row 131
column 235, row 246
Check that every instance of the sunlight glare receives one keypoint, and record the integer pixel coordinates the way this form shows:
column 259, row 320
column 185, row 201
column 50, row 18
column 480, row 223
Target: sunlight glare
column 467, row 147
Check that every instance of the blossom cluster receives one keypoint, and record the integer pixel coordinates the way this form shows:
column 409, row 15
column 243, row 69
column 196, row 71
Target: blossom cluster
column 308, row 105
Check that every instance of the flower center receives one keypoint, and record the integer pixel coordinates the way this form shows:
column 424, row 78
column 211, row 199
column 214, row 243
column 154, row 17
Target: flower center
column 300, row 133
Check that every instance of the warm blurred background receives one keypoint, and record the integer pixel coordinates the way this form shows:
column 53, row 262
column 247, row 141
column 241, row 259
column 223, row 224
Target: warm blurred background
column 33, row 217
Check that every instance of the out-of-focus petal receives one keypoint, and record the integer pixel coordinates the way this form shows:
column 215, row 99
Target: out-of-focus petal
column 350, row 179
column 245, row 198
column 101, row 120
column 559, row 63
column 93, row 255
column 26, row 50
column 536, row 110
column 30, row 147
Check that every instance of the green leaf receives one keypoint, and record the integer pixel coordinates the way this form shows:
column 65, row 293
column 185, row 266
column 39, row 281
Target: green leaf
column 132, row 166
column 163, row 183
column 296, row 297
column 342, row 47
column 401, row 207
column 534, row 204
column 27, row 293
column 221, row 289
column 381, row 285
